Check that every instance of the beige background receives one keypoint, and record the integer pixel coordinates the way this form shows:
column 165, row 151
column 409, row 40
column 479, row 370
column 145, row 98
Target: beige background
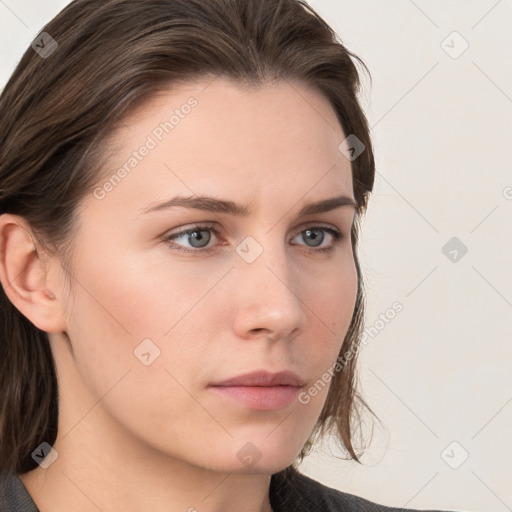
column 439, row 372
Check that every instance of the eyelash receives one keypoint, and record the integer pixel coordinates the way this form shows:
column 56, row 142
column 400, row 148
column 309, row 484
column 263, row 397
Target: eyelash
column 338, row 238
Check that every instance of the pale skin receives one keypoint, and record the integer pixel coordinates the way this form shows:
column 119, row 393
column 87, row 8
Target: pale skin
column 137, row 437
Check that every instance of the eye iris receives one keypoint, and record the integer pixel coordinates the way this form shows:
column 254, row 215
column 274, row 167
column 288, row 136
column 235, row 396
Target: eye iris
column 317, row 239
column 194, row 237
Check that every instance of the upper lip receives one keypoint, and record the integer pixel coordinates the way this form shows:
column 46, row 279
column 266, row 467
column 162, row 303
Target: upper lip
column 263, row 378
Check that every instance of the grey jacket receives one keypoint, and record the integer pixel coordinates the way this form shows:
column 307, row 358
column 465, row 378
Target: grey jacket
column 290, row 491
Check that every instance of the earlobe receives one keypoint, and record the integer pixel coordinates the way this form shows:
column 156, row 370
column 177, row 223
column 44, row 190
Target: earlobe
column 24, row 275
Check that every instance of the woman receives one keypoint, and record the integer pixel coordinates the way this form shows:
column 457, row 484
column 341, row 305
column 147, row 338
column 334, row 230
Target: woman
column 181, row 186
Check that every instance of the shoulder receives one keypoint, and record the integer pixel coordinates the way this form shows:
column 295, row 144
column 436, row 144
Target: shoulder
column 293, row 491
column 13, row 495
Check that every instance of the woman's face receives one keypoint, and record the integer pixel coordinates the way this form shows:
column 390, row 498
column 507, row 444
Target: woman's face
column 157, row 317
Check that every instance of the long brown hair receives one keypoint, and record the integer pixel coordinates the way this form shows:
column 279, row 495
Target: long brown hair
column 58, row 107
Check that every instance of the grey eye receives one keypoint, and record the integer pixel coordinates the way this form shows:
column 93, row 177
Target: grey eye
column 198, row 239
column 316, row 235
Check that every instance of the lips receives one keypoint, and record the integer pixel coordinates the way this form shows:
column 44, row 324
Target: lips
column 261, row 390
column 263, row 378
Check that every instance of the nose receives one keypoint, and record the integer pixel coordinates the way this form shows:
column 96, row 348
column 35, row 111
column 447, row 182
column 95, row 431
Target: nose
column 268, row 294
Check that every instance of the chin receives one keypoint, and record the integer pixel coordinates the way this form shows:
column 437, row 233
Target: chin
column 266, row 465
column 264, row 451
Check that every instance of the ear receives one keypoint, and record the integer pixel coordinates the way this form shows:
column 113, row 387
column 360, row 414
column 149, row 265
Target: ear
column 25, row 275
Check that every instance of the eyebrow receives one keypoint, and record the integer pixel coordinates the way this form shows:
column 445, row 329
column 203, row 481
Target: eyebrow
column 212, row 204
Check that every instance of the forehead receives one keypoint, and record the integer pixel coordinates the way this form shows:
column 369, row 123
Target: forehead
column 219, row 137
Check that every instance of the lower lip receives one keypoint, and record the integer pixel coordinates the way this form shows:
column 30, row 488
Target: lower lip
column 263, row 398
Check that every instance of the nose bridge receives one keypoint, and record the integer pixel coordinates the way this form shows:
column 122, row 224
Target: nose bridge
column 267, row 296
column 264, row 259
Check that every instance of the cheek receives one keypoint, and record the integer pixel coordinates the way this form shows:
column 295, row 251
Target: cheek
column 332, row 309
column 139, row 297
column 108, row 323
column 332, row 304
column 140, row 311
